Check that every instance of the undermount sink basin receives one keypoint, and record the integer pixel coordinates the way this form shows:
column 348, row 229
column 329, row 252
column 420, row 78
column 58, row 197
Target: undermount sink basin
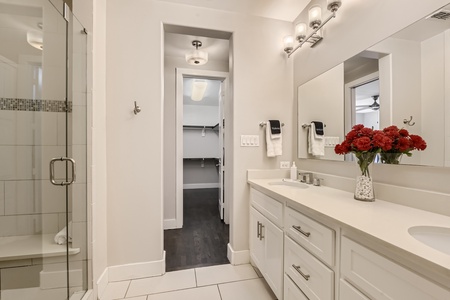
column 288, row 182
column 433, row 236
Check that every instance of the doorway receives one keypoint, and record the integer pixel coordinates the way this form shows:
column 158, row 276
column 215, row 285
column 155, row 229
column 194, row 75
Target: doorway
column 196, row 215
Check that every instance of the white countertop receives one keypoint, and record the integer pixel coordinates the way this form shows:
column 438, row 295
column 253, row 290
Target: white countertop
column 385, row 221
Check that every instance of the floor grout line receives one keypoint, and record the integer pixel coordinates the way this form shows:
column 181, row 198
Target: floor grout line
column 195, row 275
column 220, row 294
column 128, row 288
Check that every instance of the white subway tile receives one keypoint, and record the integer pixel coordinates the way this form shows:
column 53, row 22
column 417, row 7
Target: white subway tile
column 19, row 198
column 28, row 224
column 79, row 122
column 25, row 127
column 61, row 128
column 79, row 202
column 46, row 130
column 29, row 277
column 7, row 127
column 16, row 162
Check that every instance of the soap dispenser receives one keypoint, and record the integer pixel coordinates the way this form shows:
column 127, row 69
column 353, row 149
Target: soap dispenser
column 293, row 171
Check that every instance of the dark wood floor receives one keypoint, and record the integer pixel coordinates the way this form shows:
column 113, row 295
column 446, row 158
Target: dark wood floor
column 204, row 237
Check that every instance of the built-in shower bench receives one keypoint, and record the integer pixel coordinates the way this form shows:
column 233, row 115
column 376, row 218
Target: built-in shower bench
column 32, row 246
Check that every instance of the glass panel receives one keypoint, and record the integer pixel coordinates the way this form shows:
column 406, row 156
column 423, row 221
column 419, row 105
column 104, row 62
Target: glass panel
column 35, row 110
column 77, row 143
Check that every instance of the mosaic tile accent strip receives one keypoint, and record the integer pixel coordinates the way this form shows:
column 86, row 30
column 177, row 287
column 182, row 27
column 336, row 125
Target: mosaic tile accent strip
column 34, row 105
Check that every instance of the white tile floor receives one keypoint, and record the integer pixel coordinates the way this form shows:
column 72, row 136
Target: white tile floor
column 222, row 282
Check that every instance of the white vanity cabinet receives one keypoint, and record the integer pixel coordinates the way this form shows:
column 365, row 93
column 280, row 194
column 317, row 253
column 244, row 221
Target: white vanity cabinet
column 383, row 279
column 266, row 239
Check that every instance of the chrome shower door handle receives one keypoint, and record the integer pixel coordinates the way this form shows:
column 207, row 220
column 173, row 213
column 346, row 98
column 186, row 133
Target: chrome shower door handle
column 52, row 171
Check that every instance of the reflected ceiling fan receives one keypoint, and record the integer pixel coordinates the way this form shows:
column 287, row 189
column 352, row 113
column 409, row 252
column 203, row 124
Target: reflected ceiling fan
column 374, row 106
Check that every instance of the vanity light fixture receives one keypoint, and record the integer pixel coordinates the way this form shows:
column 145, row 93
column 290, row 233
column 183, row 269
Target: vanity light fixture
column 35, row 39
column 197, row 57
column 198, row 89
column 316, row 24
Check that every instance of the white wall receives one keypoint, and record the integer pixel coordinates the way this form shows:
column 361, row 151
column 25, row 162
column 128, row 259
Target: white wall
column 345, row 37
column 262, row 85
column 433, row 99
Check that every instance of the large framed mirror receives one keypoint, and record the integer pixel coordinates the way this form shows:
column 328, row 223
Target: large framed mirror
column 402, row 80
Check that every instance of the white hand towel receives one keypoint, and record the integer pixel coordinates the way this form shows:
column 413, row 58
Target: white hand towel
column 61, row 237
column 316, row 143
column 274, row 145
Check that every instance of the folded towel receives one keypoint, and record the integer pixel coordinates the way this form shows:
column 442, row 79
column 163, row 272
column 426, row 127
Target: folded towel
column 316, row 143
column 319, row 127
column 274, row 145
column 275, row 129
column 61, row 237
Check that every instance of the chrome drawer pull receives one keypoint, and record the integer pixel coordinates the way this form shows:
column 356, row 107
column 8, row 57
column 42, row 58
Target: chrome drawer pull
column 258, row 230
column 299, row 229
column 297, row 268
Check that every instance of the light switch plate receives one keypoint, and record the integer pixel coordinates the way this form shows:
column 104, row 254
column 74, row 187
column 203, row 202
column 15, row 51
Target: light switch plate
column 249, row 140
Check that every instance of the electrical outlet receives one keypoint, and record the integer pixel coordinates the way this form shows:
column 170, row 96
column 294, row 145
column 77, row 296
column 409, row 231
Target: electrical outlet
column 285, row 164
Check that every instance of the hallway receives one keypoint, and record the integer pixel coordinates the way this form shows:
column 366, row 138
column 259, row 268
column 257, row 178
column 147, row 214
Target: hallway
column 204, row 237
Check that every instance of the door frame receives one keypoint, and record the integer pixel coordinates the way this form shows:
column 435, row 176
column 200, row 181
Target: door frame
column 180, row 74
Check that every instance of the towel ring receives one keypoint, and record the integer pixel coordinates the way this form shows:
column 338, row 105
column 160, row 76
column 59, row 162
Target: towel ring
column 262, row 124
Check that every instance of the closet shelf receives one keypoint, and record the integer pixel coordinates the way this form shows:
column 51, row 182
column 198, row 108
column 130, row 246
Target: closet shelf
column 199, row 158
column 200, row 126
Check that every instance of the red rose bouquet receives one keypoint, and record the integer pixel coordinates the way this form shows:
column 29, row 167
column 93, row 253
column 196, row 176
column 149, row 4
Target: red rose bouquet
column 400, row 142
column 365, row 143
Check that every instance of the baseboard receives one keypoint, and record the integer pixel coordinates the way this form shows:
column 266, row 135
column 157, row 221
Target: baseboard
column 137, row 270
column 89, row 295
column 238, row 257
column 170, row 224
column 190, row 186
column 102, row 283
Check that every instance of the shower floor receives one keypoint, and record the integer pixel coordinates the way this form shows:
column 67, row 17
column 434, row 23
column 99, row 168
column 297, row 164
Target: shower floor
column 204, row 237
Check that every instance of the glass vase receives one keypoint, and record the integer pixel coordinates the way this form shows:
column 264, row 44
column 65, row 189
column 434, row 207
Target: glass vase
column 364, row 188
column 390, row 158
column 364, row 185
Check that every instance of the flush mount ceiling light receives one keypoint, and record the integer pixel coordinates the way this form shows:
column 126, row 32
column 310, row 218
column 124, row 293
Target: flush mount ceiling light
column 316, row 24
column 198, row 89
column 35, row 39
column 197, row 57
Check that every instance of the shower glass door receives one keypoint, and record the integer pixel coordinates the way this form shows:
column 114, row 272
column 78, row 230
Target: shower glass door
column 42, row 117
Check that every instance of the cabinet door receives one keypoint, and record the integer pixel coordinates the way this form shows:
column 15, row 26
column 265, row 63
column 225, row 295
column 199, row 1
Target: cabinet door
column 383, row 279
column 256, row 242
column 273, row 273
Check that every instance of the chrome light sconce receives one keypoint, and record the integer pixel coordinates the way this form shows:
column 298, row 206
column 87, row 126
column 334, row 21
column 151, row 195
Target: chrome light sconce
column 315, row 23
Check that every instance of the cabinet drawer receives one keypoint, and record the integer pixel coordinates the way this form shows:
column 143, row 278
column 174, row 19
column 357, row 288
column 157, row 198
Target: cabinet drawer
column 317, row 279
column 291, row 291
column 269, row 207
column 349, row 292
column 313, row 236
column 380, row 278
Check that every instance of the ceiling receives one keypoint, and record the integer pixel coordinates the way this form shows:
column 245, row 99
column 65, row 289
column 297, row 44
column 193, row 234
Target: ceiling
column 177, row 45
column 286, row 10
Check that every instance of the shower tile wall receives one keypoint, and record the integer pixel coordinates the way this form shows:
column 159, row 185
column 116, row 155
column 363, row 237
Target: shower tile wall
column 28, row 140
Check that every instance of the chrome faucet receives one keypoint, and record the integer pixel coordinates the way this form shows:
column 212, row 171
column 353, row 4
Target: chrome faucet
column 306, row 177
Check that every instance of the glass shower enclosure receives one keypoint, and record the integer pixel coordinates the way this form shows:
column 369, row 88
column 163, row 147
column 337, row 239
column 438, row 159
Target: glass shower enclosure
column 43, row 146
